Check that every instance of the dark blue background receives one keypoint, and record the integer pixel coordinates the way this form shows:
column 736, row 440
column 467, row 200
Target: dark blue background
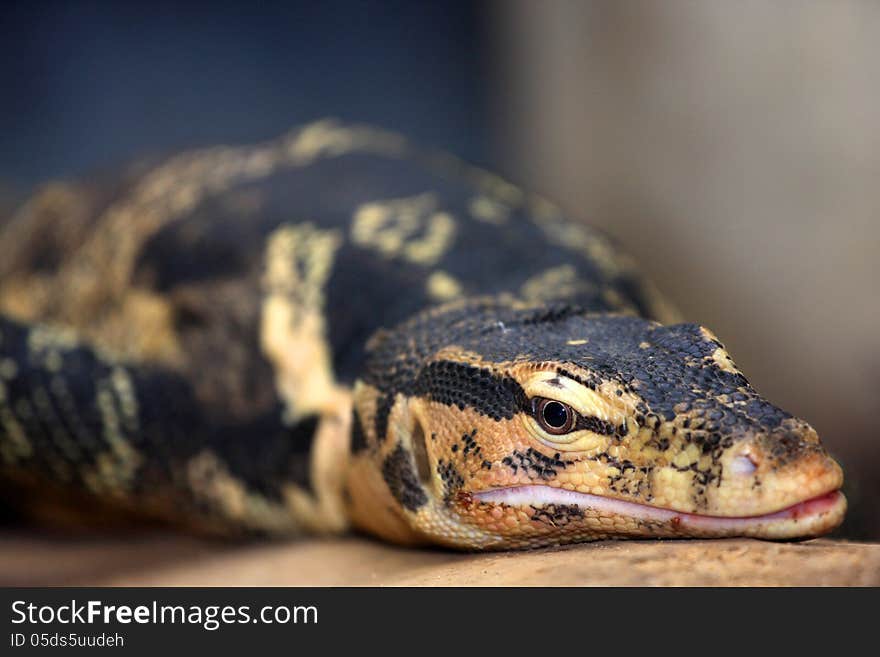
column 88, row 85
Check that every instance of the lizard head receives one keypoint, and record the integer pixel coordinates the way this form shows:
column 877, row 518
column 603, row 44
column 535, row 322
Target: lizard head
column 489, row 424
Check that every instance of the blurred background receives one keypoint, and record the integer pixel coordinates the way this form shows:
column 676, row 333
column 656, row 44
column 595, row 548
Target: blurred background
column 732, row 148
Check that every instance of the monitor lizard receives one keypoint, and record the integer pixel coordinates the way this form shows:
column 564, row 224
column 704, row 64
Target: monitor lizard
column 338, row 329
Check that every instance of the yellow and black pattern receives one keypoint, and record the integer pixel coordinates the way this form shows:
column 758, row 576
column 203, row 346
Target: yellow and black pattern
column 338, row 328
column 662, row 419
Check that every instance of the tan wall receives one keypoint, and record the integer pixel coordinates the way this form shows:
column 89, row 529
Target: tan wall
column 734, row 149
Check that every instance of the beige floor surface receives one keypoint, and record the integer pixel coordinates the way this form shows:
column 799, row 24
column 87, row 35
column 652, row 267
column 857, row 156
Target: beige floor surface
column 36, row 559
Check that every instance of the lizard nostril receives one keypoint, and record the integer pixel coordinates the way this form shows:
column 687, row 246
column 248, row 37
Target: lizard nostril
column 743, row 465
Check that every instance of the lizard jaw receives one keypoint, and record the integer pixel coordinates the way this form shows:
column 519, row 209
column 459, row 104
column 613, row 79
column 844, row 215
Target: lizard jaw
column 811, row 517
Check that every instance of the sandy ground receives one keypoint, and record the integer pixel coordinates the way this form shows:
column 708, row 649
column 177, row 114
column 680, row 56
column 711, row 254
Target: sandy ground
column 35, row 559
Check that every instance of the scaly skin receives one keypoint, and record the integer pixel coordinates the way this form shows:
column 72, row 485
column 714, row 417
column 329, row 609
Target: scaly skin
column 672, row 440
column 193, row 344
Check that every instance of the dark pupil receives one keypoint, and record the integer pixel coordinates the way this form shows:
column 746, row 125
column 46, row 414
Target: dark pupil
column 555, row 414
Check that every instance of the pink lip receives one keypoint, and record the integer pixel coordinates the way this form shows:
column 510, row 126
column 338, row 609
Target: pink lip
column 537, row 494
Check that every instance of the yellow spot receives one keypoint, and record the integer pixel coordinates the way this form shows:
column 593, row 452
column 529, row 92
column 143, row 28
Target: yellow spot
column 575, row 343
column 723, row 361
column 438, row 237
column 124, row 389
column 554, row 283
column 495, row 186
column 410, row 228
column 578, row 237
column 212, row 483
column 331, row 139
column 489, row 210
column 442, row 286
column 298, row 262
column 114, row 470
column 322, row 139
column 223, row 493
column 41, row 338
column 17, row 445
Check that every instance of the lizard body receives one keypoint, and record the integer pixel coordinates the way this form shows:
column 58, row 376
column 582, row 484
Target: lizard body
column 338, row 329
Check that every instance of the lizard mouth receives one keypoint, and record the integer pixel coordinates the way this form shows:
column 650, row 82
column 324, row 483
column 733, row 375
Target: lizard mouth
column 809, row 517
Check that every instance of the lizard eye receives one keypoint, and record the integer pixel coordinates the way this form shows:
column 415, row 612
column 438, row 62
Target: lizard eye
column 553, row 416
